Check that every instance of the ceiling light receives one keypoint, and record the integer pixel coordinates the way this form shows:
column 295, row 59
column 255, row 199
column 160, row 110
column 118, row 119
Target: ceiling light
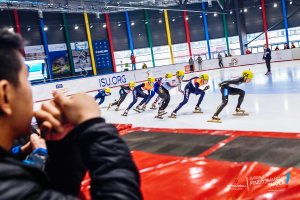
column 245, row 10
column 215, row 14
column 230, row 12
column 232, row 22
column 61, row 28
column 28, row 29
column 146, row 22
column 200, row 16
column 132, row 23
column 45, row 28
column 186, row 18
column 259, row 7
column 11, row 29
column 159, row 21
column 91, row 26
column 119, row 24
column 76, row 27
column 291, row 2
column 139, row 34
column 104, row 25
column 275, row 5
column 173, row 20
column 241, row 11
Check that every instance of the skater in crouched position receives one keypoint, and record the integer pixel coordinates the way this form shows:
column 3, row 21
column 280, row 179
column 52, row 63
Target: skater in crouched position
column 163, row 91
column 123, row 94
column 229, row 87
column 193, row 87
column 138, row 92
column 156, row 86
column 102, row 94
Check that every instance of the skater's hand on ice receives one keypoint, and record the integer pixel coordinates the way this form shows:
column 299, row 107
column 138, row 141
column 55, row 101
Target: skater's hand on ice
column 77, row 109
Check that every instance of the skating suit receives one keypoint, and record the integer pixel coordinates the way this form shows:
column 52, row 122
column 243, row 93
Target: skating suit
column 192, row 87
column 123, row 94
column 139, row 92
column 155, row 89
column 230, row 87
column 101, row 95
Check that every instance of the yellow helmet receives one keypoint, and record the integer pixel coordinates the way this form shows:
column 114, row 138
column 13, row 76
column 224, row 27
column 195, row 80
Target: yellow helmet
column 180, row 73
column 169, row 75
column 248, row 74
column 131, row 84
column 151, row 79
column 204, row 76
column 107, row 90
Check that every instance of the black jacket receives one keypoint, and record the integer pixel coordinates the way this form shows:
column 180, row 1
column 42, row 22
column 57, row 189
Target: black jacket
column 233, row 82
column 267, row 54
column 94, row 146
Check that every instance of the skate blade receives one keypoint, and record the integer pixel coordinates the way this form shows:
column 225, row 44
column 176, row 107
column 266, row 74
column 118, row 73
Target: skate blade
column 240, row 114
column 137, row 110
column 172, row 117
column 153, row 108
column 197, row 112
column 217, row 121
column 164, row 113
column 158, row 117
column 124, row 115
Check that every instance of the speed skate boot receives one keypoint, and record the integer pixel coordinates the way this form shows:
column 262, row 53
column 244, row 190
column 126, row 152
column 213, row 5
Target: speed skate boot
column 159, row 115
column 117, row 108
column 215, row 119
column 162, row 112
column 125, row 113
column 137, row 109
column 144, row 107
column 110, row 105
column 153, row 106
column 173, row 115
column 197, row 110
column 240, row 112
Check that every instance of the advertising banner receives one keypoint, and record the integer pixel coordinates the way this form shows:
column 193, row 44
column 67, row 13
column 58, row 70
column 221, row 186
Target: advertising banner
column 34, row 52
column 81, row 57
column 59, row 60
column 111, row 80
column 296, row 54
column 102, row 54
column 45, row 91
column 281, row 55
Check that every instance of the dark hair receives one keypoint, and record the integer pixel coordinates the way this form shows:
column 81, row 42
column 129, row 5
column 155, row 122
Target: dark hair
column 10, row 62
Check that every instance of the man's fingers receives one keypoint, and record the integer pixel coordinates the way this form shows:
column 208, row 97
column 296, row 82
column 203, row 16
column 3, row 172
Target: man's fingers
column 59, row 98
column 42, row 116
column 53, row 110
column 45, row 128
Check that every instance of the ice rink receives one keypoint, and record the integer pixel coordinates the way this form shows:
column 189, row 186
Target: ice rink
column 271, row 101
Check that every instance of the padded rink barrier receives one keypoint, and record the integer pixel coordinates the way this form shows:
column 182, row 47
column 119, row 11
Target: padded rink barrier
column 240, row 165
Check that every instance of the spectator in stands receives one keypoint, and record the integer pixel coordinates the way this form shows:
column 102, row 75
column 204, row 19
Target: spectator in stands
column 191, row 62
column 276, row 48
column 144, row 66
column 199, row 59
column 220, row 60
column 286, row 46
column 248, row 51
column 226, row 55
column 293, row 46
column 267, row 57
column 77, row 138
column 132, row 58
column 229, row 55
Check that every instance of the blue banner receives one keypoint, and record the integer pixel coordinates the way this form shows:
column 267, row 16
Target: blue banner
column 102, row 54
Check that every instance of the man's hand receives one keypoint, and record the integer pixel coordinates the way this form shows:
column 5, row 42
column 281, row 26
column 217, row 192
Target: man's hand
column 77, row 109
column 35, row 143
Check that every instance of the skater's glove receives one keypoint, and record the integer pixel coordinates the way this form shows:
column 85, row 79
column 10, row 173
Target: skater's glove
column 206, row 88
column 221, row 84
